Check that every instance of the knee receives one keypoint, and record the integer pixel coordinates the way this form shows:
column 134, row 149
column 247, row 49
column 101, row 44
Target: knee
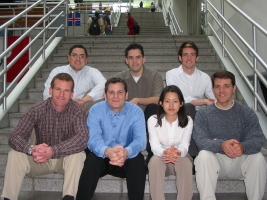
column 76, row 158
column 154, row 162
column 258, row 160
column 203, row 157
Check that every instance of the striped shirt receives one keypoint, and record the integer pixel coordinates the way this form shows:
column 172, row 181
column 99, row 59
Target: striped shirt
column 65, row 132
column 88, row 78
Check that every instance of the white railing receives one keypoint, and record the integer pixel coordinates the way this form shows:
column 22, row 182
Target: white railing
column 170, row 19
column 229, row 37
column 116, row 13
column 43, row 31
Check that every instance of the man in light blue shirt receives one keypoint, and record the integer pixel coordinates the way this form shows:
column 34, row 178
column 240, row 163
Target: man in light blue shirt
column 117, row 137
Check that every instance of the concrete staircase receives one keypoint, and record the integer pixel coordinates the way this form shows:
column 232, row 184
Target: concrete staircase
column 151, row 23
column 107, row 55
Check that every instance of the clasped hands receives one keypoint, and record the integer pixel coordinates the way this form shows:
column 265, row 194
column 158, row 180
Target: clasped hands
column 171, row 155
column 117, row 155
column 41, row 153
column 232, row 148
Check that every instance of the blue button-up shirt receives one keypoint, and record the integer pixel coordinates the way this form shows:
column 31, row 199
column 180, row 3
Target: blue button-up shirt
column 109, row 129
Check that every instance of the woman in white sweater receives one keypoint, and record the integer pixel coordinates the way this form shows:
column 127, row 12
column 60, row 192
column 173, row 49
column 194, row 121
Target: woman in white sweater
column 169, row 136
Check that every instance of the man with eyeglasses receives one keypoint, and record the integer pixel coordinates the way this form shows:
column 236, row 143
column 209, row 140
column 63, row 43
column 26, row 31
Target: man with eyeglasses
column 89, row 82
column 62, row 134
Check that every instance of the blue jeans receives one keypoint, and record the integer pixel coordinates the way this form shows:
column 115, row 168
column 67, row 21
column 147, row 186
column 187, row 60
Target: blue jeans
column 108, row 32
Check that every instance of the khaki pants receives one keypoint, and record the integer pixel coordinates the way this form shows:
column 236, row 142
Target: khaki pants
column 211, row 166
column 19, row 164
column 182, row 169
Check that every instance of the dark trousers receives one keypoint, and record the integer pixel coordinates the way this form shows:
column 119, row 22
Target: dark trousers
column 95, row 167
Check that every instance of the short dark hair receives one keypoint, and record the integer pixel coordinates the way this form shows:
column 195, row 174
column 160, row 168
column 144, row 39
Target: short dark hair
column 134, row 46
column 80, row 47
column 62, row 77
column 114, row 80
column 128, row 13
column 182, row 116
column 188, row 44
column 223, row 75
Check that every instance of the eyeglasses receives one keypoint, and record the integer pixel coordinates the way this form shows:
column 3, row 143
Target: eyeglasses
column 81, row 56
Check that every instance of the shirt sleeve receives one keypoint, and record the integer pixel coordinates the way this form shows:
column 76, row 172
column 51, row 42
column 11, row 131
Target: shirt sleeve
column 208, row 85
column 88, row 25
column 97, row 92
column 138, row 143
column 200, row 135
column 254, row 136
column 96, row 142
column 19, row 139
column 154, row 141
column 158, row 84
column 47, row 84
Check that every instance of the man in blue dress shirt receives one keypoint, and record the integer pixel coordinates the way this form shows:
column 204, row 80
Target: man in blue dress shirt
column 117, row 137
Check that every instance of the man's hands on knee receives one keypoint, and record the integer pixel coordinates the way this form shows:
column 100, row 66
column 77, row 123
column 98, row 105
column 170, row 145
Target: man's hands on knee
column 117, row 155
column 41, row 153
column 232, row 148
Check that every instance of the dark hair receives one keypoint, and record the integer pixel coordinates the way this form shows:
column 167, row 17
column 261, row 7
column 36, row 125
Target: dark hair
column 80, row 47
column 182, row 116
column 129, row 14
column 188, row 44
column 223, row 75
column 62, row 77
column 134, row 46
column 113, row 81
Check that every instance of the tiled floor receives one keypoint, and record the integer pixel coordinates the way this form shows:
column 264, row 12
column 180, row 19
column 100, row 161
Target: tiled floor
column 106, row 196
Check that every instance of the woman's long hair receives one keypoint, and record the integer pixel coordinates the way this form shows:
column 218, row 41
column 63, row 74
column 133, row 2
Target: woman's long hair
column 182, row 116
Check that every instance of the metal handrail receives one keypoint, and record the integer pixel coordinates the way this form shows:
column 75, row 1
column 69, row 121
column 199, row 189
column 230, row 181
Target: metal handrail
column 225, row 27
column 115, row 15
column 44, row 35
column 170, row 19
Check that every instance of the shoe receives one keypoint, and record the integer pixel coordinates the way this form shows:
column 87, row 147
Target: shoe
column 68, row 197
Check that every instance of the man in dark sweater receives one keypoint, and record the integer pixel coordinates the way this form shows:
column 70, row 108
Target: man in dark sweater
column 229, row 138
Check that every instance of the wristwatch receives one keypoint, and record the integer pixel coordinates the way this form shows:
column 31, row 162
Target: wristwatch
column 29, row 152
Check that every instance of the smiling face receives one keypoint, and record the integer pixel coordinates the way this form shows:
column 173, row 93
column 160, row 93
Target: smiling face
column 223, row 90
column 116, row 96
column 188, row 58
column 135, row 61
column 77, row 59
column 61, row 94
column 171, row 104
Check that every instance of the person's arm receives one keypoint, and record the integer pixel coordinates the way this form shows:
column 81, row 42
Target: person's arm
column 19, row 139
column 156, row 146
column 145, row 101
column 200, row 102
column 95, row 124
column 184, row 143
column 102, row 26
column 138, row 127
column 47, row 84
column 254, row 137
column 97, row 92
column 201, row 135
column 88, row 26
column 157, row 89
column 77, row 143
column 131, row 23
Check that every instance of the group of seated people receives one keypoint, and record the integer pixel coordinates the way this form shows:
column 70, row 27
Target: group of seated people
column 88, row 127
